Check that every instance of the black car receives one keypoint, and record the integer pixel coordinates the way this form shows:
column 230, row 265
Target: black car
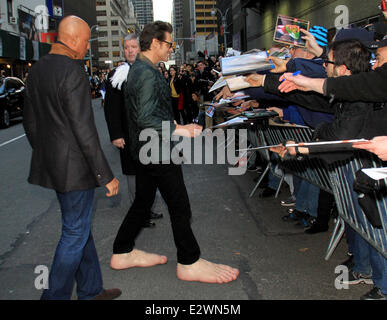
column 11, row 99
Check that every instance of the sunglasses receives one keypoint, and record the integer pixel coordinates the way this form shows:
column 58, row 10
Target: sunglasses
column 170, row 43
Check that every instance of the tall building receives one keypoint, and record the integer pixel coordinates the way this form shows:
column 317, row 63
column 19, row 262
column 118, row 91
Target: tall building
column 196, row 28
column 115, row 19
column 144, row 11
column 206, row 27
column 177, row 23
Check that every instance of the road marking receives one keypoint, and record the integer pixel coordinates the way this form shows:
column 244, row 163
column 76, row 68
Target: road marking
column 14, row 139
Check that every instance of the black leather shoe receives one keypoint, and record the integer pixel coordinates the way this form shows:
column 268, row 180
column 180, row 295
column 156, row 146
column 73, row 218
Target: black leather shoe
column 149, row 224
column 108, row 294
column 317, row 228
column 155, row 215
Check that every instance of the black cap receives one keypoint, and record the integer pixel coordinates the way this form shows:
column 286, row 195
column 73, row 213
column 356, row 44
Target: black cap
column 364, row 36
column 378, row 44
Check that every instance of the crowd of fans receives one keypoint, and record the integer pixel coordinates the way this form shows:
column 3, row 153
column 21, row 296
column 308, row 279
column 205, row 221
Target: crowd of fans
column 190, row 85
column 358, row 53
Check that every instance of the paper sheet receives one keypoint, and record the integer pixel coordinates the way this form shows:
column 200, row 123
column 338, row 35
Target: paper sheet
column 376, row 173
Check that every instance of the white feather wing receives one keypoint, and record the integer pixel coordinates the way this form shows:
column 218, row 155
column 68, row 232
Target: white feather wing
column 120, row 75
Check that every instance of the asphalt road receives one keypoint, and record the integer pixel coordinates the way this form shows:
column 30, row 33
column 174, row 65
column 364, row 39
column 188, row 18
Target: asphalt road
column 276, row 259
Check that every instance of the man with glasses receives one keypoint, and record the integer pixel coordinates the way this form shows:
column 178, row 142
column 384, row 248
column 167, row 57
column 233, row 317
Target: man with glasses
column 148, row 105
column 116, row 119
column 352, row 120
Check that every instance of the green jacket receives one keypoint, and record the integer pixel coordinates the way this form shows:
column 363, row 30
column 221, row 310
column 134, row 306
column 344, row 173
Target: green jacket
column 148, row 104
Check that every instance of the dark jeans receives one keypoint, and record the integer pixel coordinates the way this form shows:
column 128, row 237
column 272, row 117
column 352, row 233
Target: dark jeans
column 168, row 178
column 75, row 257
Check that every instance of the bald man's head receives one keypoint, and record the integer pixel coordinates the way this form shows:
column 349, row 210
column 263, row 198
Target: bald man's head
column 75, row 33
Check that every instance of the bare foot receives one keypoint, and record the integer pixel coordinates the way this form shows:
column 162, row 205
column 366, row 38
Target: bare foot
column 136, row 258
column 205, row 271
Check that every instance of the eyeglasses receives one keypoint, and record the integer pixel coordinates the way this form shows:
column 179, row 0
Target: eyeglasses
column 170, row 43
column 326, row 61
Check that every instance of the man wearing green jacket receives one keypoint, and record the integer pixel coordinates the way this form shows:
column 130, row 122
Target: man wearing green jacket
column 149, row 108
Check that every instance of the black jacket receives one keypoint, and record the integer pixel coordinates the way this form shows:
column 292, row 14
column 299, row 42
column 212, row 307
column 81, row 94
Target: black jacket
column 365, row 86
column 352, row 119
column 116, row 121
column 202, row 82
column 59, row 123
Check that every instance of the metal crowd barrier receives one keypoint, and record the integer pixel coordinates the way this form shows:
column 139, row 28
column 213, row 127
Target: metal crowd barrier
column 337, row 179
column 342, row 177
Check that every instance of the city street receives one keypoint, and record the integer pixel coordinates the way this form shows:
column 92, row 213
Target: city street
column 276, row 259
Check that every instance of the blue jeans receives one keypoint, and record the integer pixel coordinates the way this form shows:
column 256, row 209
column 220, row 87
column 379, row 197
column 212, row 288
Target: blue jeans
column 75, row 257
column 366, row 258
column 307, row 198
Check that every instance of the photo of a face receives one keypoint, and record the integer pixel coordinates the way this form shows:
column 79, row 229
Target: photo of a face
column 288, row 31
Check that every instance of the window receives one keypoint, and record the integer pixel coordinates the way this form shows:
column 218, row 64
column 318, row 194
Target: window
column 9, row 9
column 103, row 44
column 101, row 3
column 102, row 23
column 101, row 13
column 115, row 32
column 103, row 54
column 114, row 22
column 102, row 34
column 115, row 43
column 116, row 53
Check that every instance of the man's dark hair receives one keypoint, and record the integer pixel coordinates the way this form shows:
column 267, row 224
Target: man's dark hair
column 155, row 30
column 351, row 53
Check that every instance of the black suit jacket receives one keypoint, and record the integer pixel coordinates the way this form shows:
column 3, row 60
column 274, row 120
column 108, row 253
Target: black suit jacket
column 116, row 121
column 59, row 123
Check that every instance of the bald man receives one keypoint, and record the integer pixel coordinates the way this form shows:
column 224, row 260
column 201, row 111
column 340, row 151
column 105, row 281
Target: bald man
column 67, row 157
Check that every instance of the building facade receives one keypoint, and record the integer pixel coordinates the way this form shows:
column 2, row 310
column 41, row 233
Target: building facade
column 254, row 21
column 206, row 27
column 199, row 34
column 27, row 27
column 115, row 20
column 144, row 12
column 178, row 30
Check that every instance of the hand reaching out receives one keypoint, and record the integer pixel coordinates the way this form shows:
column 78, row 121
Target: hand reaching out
column 311, row 43
column 255, row 79
column 378, row 146
column 291, row 83
column 280, row 64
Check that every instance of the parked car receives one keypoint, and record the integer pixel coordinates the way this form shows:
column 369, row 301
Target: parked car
column 11, row 99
